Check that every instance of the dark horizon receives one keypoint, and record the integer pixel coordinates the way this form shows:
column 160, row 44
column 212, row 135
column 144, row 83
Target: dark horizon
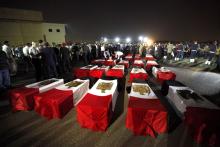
column 170, row 20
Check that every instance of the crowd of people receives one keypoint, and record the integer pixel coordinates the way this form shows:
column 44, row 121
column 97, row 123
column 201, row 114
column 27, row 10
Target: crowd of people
column 56, row 59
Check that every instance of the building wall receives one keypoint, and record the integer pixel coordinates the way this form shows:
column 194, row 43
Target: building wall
column 58, row 33
column 22, row 32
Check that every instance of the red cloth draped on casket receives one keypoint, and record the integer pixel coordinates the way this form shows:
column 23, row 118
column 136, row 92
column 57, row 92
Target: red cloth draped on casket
column 150, row 58
column 150, row 65
column 94, row 112
column 126, row 64
column 204, row 125
column 98, row 62
column 142, row 76
column 96, row 73
column 80, row 73
column 54, row 103
column 109, row 63
column 141, row 65
column 22, row 98
column 137, row 57
column 128, row 57
column 163, row 76
column 115, row 73
column 146, row 116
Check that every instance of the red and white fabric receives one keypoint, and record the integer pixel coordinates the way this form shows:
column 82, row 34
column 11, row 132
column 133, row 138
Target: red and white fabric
column 201, row 117
column 79, row 91
column 162, row 74
column 181, row 104
column 47, row 87
column 138, row 73
column 57, row 102
column 128, row 57
column 203, row 125
column 138, row 63
column 54, row 103
column 125, row 63
column 98, row 72
column 150, row 64
column 149, row 57
column 110, row 62
column 145, row 114
column 98, row 61
column 22, row 98
column 84, row 71
column 137, row 57
column 116, row 71
column 95, row 109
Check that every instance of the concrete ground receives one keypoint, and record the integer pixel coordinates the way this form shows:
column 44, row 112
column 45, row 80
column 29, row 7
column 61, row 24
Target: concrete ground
column 30, row 129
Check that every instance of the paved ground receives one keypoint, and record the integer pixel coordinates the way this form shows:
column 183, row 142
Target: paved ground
column 30, row 129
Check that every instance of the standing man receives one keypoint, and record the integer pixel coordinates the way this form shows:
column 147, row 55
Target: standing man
column 194, row 48
column 65, row 58
column 49, row 61
column 85, row 53
column 4, row 71
column 36, row 61
column 26, row 58
column 170, row 48
column 11, row 60
column 102, row 50
column 213, row 48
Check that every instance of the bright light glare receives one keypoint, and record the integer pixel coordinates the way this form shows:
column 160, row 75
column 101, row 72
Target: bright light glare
column 145, row 39
column 149, row 42
column 140, row 38
column 128, row 40
column 117, row 39
column 105, row 39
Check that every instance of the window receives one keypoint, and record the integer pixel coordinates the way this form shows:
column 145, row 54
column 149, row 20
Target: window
column 50, row 30
column 58, row 30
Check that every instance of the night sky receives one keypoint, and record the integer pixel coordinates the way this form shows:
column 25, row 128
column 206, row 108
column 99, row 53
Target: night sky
column 160, row 20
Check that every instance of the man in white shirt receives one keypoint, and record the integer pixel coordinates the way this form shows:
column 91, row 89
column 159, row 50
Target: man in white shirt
column 7, row 49
column 25, row 50
column 102, row 50
column 12, row 62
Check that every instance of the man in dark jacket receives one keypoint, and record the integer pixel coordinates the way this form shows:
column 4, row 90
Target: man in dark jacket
column 49, row 61
column 4, row 71
column 65, row 58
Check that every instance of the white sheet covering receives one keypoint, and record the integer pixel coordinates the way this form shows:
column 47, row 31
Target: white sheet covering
column 181, row 103
column 152, row 62
column 46, row 87
column 148, row 55
column 138, row 70
column 78, row 92
column 93, row 67
column 138, row 62
column 113, row 91
column 151, row 95
column 106, row 68
column 162, row 69
column 122, row 67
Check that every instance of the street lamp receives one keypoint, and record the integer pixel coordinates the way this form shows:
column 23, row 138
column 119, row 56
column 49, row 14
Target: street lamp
column 140, row 38
column 105, row 39
column 145, row 39
column 117, row 39
column 128, row 40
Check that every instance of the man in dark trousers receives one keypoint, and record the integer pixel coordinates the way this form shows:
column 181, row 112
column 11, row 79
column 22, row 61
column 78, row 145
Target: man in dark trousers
column 85, row 53
column 65, row 58
column 4, row 71
column 49, row 61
